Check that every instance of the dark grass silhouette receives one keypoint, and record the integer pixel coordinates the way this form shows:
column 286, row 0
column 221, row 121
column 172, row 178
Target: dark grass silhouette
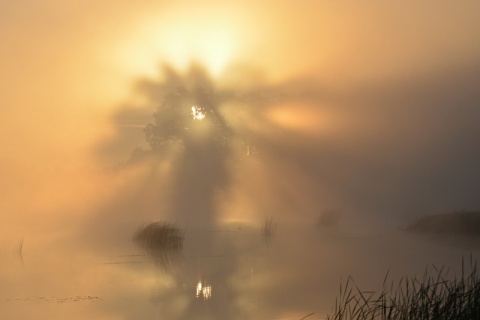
column 433, row 297
column 269, row 227
column 269, row 230
column 162, row 242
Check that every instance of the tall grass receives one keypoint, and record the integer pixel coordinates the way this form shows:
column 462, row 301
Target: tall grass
column 433, row 297
column 269, row 227
column 162, row 242
column 269, row 230
column 19, row 251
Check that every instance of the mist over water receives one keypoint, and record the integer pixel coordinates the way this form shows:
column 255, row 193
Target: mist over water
column 177, row 161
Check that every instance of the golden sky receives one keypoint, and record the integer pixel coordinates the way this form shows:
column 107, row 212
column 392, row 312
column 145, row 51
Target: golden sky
column 67, row 66
column 375, row 115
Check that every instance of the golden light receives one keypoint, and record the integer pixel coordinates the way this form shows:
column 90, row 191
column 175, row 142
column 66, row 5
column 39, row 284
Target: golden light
column 203, row 290
column 198, row 113
column 181, row 36
column 303, row 117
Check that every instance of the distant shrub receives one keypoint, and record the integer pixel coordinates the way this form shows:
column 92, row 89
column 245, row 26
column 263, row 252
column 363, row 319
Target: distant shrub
column 328, row 219
column 460, row 222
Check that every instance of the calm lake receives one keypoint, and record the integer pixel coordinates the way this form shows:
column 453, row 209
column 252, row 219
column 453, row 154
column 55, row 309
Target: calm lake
column 226, row 271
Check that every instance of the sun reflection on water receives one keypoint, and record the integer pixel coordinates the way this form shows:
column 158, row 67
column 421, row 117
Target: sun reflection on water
column 203, row 290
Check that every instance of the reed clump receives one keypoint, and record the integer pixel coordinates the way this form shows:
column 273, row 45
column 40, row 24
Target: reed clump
column 269, row 227
column 433, row 297
column 160, row 235
column 162, row 242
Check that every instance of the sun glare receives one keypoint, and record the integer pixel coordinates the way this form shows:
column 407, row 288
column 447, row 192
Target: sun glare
column 210, row 39
column 198, row 113
column 302, row 118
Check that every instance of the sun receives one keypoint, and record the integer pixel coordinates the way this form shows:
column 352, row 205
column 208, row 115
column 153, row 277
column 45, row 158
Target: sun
column 182, row 37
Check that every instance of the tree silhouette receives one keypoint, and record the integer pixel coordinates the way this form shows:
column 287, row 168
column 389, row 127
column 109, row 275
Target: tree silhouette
column 190, row 118
column 182, row 113
column 191, row 115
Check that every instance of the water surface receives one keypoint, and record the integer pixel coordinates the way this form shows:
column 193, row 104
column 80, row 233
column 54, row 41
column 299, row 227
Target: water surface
column 227, row 271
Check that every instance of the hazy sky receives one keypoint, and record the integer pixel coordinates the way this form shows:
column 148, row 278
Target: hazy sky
column 361, row 113
column 381, row 115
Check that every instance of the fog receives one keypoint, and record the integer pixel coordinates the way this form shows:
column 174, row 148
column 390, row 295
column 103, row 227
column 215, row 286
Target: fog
column 342, row 122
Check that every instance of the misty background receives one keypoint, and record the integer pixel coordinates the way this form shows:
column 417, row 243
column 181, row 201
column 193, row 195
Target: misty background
column 358, row 117
column 395, row 151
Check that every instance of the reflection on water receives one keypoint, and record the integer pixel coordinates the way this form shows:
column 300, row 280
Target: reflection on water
column 203, row 290
column 226, row 273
